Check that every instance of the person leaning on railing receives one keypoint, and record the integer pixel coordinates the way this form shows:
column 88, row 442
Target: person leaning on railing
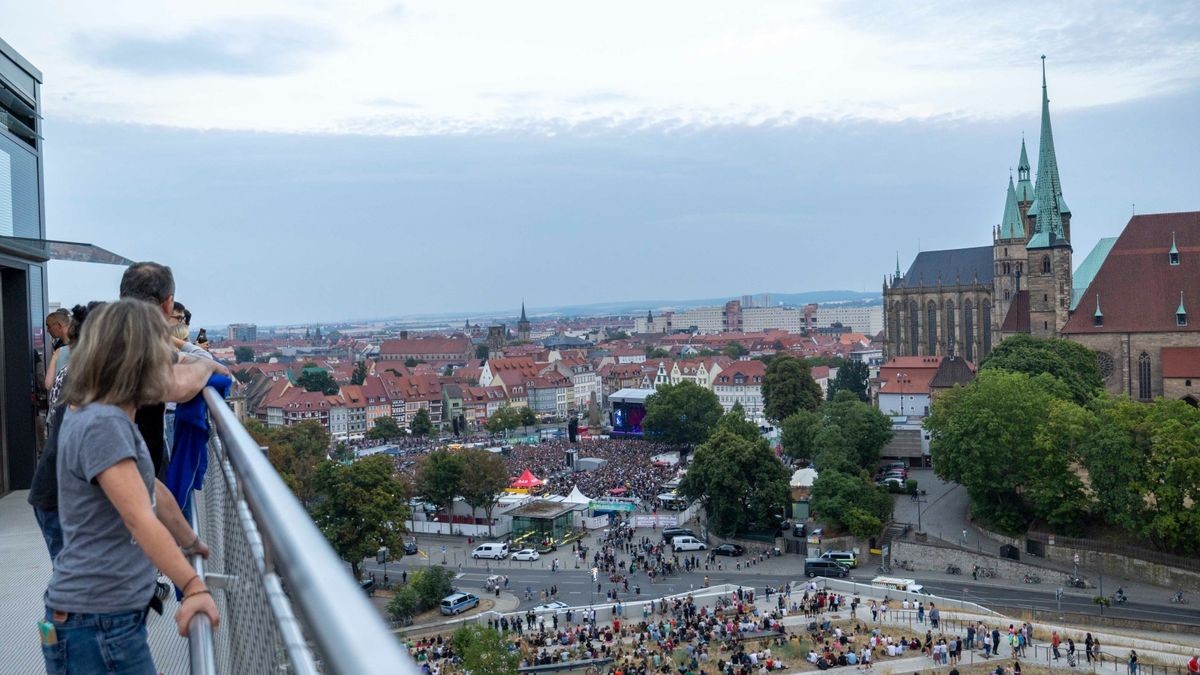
column 104, row 579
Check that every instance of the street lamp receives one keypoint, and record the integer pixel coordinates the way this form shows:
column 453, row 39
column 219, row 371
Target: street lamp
column 381, row 556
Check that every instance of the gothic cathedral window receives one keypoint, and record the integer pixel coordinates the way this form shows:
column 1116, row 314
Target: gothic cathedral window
column 987, row 327
column 1045, row 264
column 1144, row 389
column 969, row 330
column 914, row 334
column 931, row 328
column 948, row 329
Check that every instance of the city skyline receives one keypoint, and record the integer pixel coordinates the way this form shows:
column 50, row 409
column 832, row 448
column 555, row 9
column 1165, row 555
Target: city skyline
column 740, row 185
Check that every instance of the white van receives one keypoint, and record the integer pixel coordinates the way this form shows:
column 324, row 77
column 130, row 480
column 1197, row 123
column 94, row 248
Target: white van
column 686, row 543
column 493, row 551
column 909, row 585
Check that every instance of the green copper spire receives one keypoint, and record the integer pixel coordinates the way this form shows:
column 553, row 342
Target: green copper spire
column 1048, row 206
column 1011, row 226
column 1024, row 185
column 1181, row 309
column 1098, row 314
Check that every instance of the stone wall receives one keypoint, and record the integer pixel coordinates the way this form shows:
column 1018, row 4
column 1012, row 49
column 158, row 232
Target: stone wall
column 1120, row 566
column 937, row 557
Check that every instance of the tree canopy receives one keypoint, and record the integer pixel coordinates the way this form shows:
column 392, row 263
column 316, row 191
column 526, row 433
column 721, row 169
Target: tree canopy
column 849, row 501
column 1069, row 361
column 681, row 414
column 797, row 434
column 739, row 481
column 385, row 427
column 313, row 378
column 360, row 373
column 788, row 386
column 506, row 418
column 439, row 477
column 483, row 479
column 854, row 377
column 243, row 354
column 867, row 429
column 295, row 452
column 361, row 506
column 421, row 424
column 484, row 650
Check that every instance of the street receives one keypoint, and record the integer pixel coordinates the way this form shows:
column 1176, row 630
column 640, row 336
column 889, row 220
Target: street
column 575, row 587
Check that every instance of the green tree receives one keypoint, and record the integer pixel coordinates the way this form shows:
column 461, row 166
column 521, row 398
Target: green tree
column 405, row 603
column 834, row 451
column 681, row 414
column 385, row 427
column 850, row 502
column 505, row 419
column 983, row 436
column 797, row 434
column 735, row 350
column 439, row 475
column 740, row 483
column 788, row 386
column 361, row 507
column 313, row 378
column 1069, row 361
column 863, row 425
column 484, row 650
column 1058, row 450
column 243, row 354
column 653, row 352
column 242, row 376
column 854, row 377
column 411, row 362
column 432, row 584
column 360, row 373
column 618, row 335
column 421, row 425
column 735, row 421
column 481, row 352
column 295, row 452
column 527, row 416
column 483, row 479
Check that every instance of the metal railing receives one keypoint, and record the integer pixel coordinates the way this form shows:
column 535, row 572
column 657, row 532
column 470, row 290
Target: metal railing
column 288, row 604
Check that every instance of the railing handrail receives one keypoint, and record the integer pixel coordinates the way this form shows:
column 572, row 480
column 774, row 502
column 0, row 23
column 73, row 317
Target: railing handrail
column 201, row 650
column 350, row 635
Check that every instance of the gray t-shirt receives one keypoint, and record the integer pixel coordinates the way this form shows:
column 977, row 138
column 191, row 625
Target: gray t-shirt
column 101, row 569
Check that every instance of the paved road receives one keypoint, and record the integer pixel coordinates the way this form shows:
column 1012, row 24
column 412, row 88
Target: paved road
column 575, row 587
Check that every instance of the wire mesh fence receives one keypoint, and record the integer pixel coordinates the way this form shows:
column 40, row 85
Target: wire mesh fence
column 250, row 639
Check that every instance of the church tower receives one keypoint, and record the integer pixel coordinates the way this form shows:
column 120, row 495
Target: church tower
column 523, row 325
column 1048, row 224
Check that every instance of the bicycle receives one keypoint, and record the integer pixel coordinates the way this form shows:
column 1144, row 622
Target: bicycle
column 884, row 569
column 1032, row 579
column 906, row 565
column 953, row 569
column 987, row 572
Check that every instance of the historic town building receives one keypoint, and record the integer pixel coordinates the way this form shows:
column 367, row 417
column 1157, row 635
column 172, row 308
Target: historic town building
column 961, row 302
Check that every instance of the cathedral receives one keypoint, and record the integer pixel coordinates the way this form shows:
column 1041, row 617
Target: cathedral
column 961, row 302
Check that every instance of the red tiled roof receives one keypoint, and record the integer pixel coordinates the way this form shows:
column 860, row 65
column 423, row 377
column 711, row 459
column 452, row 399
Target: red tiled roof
column 425, row 345
column 1138, row 288
column 1017, row 320
column 753, row 371
column 908, row 374
column 1181, row 362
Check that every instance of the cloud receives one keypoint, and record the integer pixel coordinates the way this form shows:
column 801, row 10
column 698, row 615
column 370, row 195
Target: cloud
column 256, row 47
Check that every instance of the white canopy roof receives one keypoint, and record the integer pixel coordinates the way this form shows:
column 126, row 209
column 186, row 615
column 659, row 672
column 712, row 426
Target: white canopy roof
column 804, row 477
column 576, row 497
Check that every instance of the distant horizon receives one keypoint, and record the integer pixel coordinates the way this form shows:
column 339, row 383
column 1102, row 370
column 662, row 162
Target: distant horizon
column 636, row 307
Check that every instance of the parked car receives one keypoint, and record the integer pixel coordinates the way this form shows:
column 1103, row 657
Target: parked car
column 410, row 548
column 799, row 530
column 687, row 543
column 494, row 551
column 669, row 533
column 846, row 558
column 732, row 550
column 458, row 602
column 525, row 554
column 819, row 567
column 888, row 481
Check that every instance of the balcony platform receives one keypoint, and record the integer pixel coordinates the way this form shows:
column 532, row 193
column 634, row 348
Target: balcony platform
column 26, row 571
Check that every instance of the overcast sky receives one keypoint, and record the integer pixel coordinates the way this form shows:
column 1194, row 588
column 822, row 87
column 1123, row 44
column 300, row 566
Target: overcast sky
column 310, row 160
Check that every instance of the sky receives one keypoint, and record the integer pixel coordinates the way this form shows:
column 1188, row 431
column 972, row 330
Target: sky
column 312, row 160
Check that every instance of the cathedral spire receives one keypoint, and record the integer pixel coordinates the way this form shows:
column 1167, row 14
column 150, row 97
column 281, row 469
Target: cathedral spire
column 1048, row 207
column 1011, row 226
column 1024, row 185
column 523, row 311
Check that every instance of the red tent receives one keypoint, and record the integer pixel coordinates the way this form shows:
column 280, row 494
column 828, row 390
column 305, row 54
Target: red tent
column 526, row 481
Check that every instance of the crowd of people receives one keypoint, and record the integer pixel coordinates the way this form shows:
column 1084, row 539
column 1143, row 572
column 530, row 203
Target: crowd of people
column 103, row 475
column 628, row 466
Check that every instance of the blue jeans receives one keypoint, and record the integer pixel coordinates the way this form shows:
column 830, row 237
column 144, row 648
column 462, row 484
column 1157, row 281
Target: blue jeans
column 51, row 528
column 99, row 643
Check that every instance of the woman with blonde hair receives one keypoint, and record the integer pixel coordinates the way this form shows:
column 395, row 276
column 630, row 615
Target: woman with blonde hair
column 117, row 529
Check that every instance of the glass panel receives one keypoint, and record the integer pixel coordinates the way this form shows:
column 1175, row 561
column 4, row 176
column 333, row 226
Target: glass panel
column 19, row 198
column 37, row 309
